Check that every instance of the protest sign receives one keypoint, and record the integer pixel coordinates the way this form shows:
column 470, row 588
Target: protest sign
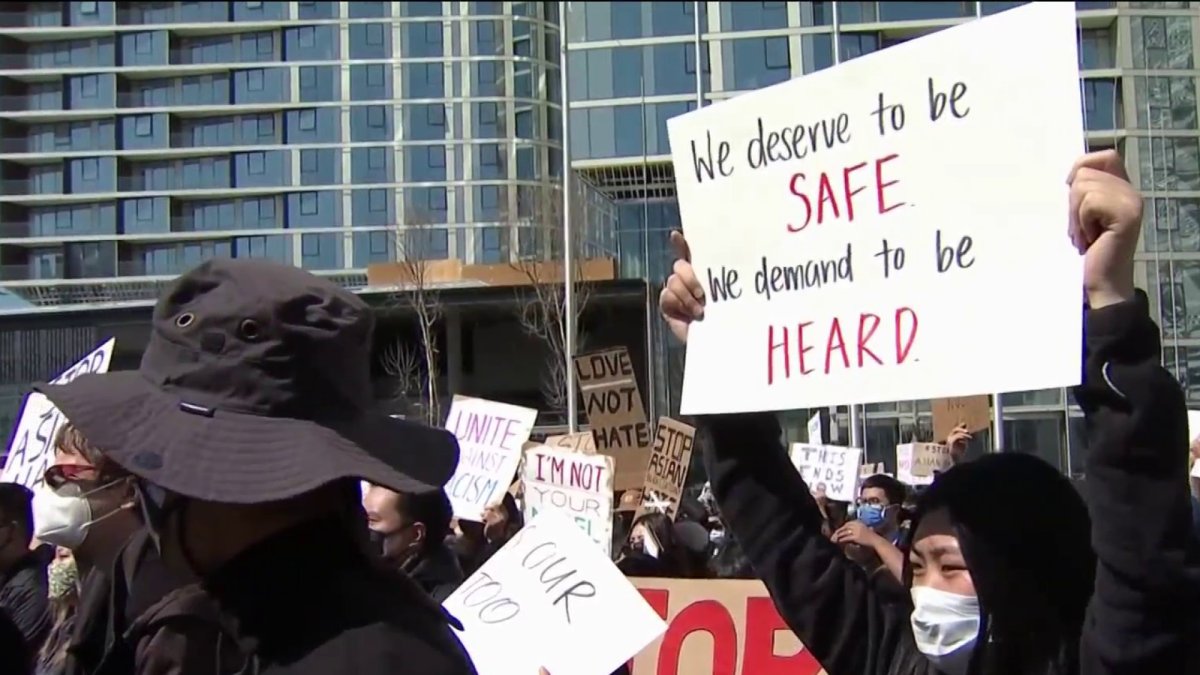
column 581, row 441
column 844, row 242
column 868, row 470
column 490, row 437
column 733, row 626
column 31, row 448
column 550, row 599
column 667, row 470
column 973, row 412
column 917, row 463
column 831, row 467
column 815, row 436
column 574, row 484
column 615, row 413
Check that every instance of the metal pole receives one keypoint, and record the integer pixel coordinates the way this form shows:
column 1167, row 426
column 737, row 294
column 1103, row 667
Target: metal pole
column 698, row 7
column 568, row 235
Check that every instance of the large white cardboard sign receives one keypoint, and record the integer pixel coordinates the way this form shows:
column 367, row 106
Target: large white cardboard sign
column 847, row 225
column 832, row 468
column 490, row 437
column 31, row 449
column 577, row 485
column 551, row 599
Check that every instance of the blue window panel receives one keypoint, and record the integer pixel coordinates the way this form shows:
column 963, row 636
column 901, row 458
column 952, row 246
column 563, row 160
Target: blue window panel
column 491, row 245
column 319, row 83
column 93, row 174
column 142, row 132
column 208, row 132
column 96, row 91
column 421, row 8
column 43, row 15
column 370, row 82
column 320, row 166
column 489, row 202
column 426, row 243
column 205, row 90
column 319, row 208
column 487, row 78
column 269, row 247
column 46, row 263
column 316, row 10
column 208, row 49
column 425, row 163
column 88, row 53
column 424, row 80
column 370, row 123
column 202, row 12
column 72, row 136
column 258, row 130
column 257, row 47
column 259, row 11
column 90, row 13
column 424, row 121
column 46, row 96
column 428, row 204
column 321, row 251
column 205, row 173
column 313, row 125
column 260, row 85
column 260, row 213
column 373, row 247
column 47, row 179
column 81, row 220
column 487, row 118
column 149, row 176
column 311, row 43
column 370, row 41
column 372, row 165
column 422, row 39
column 147, row 48
column 261, row 169
column 369, row 10
column 372, row 207
column 146, row 215
column 153, row 93
column 208, row 216
column 90, row 260
column 489, row 161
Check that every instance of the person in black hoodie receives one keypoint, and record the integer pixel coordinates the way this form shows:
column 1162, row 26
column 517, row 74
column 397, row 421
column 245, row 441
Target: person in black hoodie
column 1007, row 573
column 410, row 530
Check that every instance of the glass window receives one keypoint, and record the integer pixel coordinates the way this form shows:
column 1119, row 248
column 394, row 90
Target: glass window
column 308, row 204
column 143, row 43
column 377, row 201
column 143, row 125
column 754, row 63
column 87, row 8
column 437, row 156
column 307, row 119
column 306, row 36
column 376, row 118
column 90, row 168
column 1179, row 299
column 1169, row 163
column 1162, row 42
column 1102, row 104
column 816, row 52
column 254, row 80
column 266, row 125
column 89, row 85
column 753, row 15
column 376, row 74
column 1042, row 434
column 266, row 44
column 1096, row 48
column 373, row 34
column 308, row 76
column 308, row 161
column 376, row 158
column 1165, row 102
column 1172, row 224
column 256, row 163
column 485, row 37
column 854, row 45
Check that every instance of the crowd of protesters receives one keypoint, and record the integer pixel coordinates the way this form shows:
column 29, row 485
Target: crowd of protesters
column 205, row 514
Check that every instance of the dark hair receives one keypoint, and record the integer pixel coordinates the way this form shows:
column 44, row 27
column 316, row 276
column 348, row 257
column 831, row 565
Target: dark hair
column 71, row 440
column 16, row 506
column 432, row 509
column 892, row 488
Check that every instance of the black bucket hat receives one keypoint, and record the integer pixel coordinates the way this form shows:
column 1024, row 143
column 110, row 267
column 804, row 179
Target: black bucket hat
column 255, row 387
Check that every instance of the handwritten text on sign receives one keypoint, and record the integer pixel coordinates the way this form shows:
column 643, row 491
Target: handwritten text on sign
column 578, row 486
column 829, row 468
column 670, row 458
column 845, row 242
column 543, row 600
column 614, row 410
column 490, row 436
column 919, row 463
column 31, row 450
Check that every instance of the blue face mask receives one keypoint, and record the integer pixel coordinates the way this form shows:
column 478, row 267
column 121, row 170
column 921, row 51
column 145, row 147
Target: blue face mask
column 870, row 515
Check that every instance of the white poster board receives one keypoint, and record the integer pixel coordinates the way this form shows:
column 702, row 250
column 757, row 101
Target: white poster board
column 550, row 599
column 833, row 467
column 904, row 467
column 577, row 485
column 490, row 437
column 815, row 437
column 31, row 448
column 847, row 224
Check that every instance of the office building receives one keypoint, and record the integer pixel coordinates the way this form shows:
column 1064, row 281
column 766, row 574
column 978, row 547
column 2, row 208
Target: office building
column 633, row 66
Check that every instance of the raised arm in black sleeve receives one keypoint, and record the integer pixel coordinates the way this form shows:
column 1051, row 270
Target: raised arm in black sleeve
column 1144, row 616
column 825, row 599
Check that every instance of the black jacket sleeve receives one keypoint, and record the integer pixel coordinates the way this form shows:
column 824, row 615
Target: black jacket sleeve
column 826, row 599
column 24, row 598
column 1143, row 615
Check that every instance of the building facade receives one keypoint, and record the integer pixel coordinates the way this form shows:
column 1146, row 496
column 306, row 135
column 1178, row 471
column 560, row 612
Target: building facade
column 633, row 66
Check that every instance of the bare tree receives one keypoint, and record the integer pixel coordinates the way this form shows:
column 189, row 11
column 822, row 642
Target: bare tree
column 401, row 361
column 542, row 308
column 415, row 256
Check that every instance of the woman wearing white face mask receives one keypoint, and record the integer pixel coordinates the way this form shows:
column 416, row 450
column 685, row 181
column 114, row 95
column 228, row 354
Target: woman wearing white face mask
column 1001, row 572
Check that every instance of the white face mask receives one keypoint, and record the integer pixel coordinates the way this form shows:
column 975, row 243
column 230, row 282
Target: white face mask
column 62, row 517
column 945, row 626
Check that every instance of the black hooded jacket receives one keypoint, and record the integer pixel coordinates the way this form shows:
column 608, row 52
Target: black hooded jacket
column 1141, row 595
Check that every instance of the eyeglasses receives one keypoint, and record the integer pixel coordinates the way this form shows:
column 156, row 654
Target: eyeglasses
column 59, row 475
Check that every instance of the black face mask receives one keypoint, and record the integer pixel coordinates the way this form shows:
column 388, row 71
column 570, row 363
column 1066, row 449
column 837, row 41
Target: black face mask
column 378, row 539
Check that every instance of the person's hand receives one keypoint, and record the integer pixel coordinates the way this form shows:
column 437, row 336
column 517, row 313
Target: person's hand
column 819, row 495
column 855, row 532
column 957, row 440
column 1105, row 220
column 682, row 299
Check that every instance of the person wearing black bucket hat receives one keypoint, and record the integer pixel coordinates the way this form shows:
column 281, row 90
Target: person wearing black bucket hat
column 249, row 425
